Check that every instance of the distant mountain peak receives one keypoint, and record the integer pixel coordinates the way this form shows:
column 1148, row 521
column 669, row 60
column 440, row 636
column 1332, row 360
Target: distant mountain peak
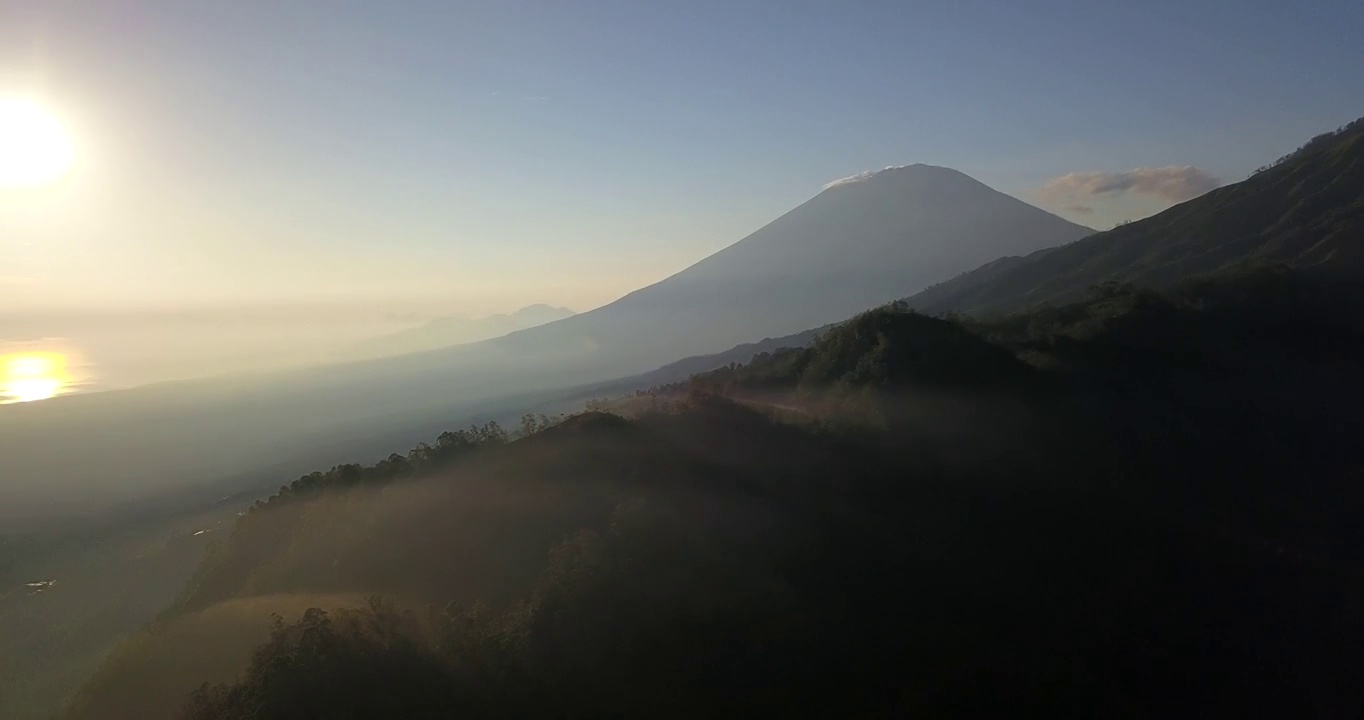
column 538, row 308
column 873, row 236
column 450, row 330
column 891, row 171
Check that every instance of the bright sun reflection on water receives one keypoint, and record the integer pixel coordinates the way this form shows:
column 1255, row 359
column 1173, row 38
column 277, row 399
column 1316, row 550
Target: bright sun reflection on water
column 29, row 376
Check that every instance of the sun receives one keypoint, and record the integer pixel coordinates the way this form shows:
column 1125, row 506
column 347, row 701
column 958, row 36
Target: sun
column 34, row 146
column 25, row 377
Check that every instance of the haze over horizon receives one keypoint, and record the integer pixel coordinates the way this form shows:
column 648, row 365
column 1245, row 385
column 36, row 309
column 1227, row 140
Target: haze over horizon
column 349, row 173
column 622, row 358
column 493, row 156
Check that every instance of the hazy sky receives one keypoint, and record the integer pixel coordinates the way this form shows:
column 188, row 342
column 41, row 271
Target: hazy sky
column 489, row 154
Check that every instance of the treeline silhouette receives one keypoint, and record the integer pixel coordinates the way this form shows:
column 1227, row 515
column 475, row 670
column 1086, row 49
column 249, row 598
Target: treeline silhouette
column 1316, row 144
column 253, row 540
column 1137, row 504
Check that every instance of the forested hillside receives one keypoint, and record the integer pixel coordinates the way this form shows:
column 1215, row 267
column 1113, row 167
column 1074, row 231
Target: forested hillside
column 1306, row 210
column 1139, row 504
column 840, row 430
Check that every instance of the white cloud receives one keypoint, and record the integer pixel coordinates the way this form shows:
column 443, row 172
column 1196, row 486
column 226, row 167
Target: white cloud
column 1173, row 183
column 859, row 177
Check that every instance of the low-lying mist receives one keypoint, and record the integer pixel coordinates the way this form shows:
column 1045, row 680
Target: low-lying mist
column 128, row 349
column 482, row 533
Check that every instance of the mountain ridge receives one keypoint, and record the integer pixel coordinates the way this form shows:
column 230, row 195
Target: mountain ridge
column 451, row 330
column 916, row 222
column 849, row 248
column 1306, row 211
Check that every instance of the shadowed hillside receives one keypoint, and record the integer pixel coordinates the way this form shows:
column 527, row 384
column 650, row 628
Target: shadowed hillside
column 1172, row 462
column 1306, row 211
column 1122, row 506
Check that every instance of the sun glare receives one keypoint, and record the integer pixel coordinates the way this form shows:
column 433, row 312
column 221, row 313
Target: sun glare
column 25, row 377
column 34, row 147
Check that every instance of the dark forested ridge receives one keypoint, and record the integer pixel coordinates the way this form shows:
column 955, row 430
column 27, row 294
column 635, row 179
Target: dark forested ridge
column 1137, row 504
column 1137, row 497
column 1306, row 211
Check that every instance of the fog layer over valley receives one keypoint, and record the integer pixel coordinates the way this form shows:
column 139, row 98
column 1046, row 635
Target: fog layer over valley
column 852, row 246
column 838, row 515
column 121, row 349
column 1128, row 485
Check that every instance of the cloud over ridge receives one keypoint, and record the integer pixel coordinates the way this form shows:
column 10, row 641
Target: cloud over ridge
column 1173, row 183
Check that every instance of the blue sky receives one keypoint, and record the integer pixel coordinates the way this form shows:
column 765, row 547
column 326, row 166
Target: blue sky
column 486, row 155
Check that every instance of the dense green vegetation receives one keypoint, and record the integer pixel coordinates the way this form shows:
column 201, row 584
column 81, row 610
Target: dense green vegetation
column 1134, row 505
